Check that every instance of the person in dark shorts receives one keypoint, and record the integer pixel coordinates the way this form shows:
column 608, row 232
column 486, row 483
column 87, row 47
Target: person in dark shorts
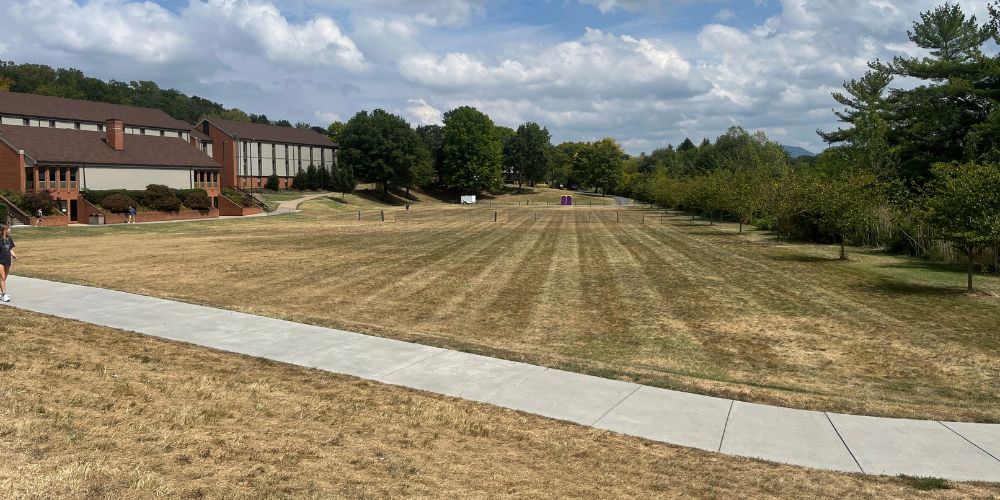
column 6, row 254
column 131, row 215
column 38, row 218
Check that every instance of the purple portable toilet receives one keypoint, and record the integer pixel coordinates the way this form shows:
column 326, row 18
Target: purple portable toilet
column 569, row 199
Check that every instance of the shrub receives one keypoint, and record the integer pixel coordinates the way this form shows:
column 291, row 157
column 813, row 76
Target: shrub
column 299, row 182
column 97, row 197
column 162, row 198
column 198, row 200
column 237, row 197
column 118, row 203
column 43, row 200
column 273, row 183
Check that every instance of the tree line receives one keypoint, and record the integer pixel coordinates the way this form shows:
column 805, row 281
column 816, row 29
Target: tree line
column 74, row 84
column 923, row 156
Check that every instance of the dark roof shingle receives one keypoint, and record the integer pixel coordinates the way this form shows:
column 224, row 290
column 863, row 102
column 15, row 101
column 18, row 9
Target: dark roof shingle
column 52, row 145
column 272, row 133
column 61, row 108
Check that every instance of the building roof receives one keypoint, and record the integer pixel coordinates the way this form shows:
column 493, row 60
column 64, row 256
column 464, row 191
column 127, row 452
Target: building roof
column 61, row 108
column 198, row 134
column 53, row 145
column 272, row 133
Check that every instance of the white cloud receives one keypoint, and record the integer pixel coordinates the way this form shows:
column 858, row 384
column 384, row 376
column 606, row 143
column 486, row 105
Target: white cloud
column 418, row 111
column 148, row 33
column 326, row 118
column 629, row 5
column 598, row 64
column 143, row 31
column 725, row 15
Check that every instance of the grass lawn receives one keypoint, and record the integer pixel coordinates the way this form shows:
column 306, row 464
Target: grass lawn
column 91, row 412
column 672, row 302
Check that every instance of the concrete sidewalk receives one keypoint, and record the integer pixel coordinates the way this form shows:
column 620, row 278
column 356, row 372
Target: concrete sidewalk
column 949, row 450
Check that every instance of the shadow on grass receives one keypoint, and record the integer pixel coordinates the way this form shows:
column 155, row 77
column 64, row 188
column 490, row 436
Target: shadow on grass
column 807, row 259
column 906, row 288
column 374, row 195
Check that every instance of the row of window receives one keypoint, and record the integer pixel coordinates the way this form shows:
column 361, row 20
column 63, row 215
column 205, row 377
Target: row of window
column 50, row 178
column 99, row 127
column 327, row 158
column 206, row 179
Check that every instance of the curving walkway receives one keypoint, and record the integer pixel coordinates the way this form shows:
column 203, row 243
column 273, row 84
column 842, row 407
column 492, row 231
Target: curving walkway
column 293, row 205
column 949, row 450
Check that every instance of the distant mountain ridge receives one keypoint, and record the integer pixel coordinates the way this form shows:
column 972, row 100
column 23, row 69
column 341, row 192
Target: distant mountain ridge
column 796, row 152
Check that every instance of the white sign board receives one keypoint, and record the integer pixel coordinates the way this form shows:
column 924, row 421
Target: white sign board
column 469, row 200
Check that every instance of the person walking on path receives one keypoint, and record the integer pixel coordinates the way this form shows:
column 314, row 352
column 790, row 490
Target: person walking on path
column 6, row 254
column 38, row 218
column 131, row 215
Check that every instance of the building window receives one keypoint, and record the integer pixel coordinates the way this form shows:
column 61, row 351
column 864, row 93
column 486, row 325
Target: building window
column 100, row 127
column 62, row 178
column 29, row 179
column 142, row 131
column 163, row 133
column 26, row 122
column 52, row 124
column 72, row 178
column 76, row 125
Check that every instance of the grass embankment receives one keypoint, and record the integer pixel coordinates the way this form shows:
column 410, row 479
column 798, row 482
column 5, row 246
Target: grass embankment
column 672, row 302
column 91, row 412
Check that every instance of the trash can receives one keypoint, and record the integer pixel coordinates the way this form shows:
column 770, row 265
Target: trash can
column 100, row 218
column 96, row 219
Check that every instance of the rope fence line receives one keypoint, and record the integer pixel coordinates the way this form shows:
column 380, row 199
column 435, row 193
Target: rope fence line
column 499, row 215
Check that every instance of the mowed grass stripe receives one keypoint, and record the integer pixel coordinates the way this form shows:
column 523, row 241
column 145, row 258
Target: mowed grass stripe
column 680, row 304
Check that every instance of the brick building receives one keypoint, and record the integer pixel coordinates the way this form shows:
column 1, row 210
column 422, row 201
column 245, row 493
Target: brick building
column 250, row 152
column 64, row 162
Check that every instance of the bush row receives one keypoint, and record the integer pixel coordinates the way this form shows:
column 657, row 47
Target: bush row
column 154, row 197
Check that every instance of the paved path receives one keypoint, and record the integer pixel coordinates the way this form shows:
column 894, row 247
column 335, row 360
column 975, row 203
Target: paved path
column 293, row 205
column 956, row 451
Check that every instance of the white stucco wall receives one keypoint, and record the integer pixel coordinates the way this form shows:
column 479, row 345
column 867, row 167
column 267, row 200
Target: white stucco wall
column 133, row 177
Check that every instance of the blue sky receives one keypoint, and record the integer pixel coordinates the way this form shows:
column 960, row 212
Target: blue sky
column 646, row 72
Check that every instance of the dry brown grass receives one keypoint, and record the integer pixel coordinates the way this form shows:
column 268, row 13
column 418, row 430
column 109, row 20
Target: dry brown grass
column 672, row 302
column 90, row 412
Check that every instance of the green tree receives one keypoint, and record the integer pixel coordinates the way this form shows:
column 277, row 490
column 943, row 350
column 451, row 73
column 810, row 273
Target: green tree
column 930, row 123
column 382, row 148
column 343, row 179
column 472, row 156
column 322, row 179
column 273, row 183
column 432, row 136
column 865, row 110
column 312, row 178
column 526, row 154
column 299, row 181
column 599, row 164
column 843, row 202
column 963, row 203
column 334, row 130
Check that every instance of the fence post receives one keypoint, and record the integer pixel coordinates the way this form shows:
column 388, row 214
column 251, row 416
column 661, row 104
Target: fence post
column 494, row 216
column 383, row 215
column 359, row 214
column 644, row 217
column 618, row 217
